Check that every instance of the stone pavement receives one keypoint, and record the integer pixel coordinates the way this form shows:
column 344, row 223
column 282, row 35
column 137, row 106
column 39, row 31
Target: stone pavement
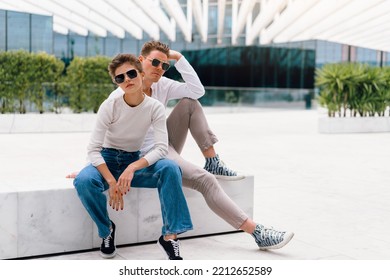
column 332, row 190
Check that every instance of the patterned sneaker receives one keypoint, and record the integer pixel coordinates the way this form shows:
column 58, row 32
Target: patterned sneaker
column 171, row 248
column 267, row 238
column 217, row 167
column 107, row 249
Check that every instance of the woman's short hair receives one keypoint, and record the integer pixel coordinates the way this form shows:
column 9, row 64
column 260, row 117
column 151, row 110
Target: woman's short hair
column 121, row 59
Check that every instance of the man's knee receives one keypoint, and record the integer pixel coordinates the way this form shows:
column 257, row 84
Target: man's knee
column 203, row 181
column 188, row 102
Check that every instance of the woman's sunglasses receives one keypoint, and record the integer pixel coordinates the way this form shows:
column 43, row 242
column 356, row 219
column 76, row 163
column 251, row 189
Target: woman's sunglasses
column 121, row 77
column 155, row 62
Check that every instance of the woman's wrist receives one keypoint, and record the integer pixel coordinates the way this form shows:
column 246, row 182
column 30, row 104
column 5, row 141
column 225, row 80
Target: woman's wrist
column 132, row 168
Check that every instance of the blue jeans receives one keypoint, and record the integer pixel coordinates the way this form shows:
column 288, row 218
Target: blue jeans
column 165, row 175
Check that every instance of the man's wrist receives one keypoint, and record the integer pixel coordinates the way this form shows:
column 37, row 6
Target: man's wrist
column 178, row 56
column 175, row 55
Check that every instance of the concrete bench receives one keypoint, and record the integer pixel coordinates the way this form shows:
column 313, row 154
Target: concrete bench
column 52, row 219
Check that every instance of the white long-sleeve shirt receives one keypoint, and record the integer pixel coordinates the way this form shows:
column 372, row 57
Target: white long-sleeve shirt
column 167, row 89
column 122, row 127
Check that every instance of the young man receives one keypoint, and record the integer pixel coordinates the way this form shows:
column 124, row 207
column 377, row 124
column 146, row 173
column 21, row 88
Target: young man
column 187, row 116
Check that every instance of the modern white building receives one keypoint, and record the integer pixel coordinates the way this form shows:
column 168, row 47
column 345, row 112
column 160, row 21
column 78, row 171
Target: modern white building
column 275, row 45
column 358, row 30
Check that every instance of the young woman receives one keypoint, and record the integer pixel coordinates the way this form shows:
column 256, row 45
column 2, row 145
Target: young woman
column 116, row 165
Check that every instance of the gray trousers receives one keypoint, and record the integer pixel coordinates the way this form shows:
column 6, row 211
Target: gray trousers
column 187, row 116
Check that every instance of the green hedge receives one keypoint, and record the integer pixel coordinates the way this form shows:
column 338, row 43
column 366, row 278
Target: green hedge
column 21, row 77
column 353, row 89
column 40, row 82
column 89, row 83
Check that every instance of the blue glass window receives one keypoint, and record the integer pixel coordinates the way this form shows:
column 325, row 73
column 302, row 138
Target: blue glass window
column 18, row 33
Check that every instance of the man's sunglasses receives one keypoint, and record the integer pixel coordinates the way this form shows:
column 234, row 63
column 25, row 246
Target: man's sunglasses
column 121, row 77
column 155, row 62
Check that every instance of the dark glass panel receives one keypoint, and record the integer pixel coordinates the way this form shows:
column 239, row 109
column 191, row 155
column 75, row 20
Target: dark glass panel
column 254, row 67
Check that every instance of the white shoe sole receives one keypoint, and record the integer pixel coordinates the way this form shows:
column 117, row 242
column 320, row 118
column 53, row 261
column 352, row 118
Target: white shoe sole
column 108, row 256
column 287, row 238
column 230, row 178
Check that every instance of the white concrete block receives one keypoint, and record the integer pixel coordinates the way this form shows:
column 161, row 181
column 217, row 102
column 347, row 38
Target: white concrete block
column 353, row 124
column 8, row 224
column 53, row 220
column 43, row 123
column 149, row 215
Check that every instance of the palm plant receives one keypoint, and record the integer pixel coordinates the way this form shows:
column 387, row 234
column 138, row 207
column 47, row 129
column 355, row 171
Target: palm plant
column 386, row 89
column 336, row 83
column 361, row 89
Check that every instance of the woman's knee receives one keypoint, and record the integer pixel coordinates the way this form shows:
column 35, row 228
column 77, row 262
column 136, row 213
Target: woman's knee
column 82, row 181
column 85, row 180
column 168, row 166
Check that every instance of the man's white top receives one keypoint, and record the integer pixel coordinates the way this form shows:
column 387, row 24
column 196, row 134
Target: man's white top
column 122, row 127
column 167, row 89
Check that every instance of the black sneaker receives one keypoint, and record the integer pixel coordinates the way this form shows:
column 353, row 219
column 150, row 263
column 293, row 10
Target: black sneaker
column 171, row 248
column 107, row 249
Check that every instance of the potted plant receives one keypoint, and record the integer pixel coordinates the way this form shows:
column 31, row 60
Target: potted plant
column 356, row 97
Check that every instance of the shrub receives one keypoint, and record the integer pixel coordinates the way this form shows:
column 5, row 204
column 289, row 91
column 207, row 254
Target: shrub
column 359, row 89
column 21, row 77
column 89, row 83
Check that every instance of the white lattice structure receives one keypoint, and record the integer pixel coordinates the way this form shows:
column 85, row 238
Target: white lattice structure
column 355, row 22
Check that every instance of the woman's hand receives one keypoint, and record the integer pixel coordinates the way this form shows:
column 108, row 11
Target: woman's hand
column 124, row 181
column 115, row 197
column 114, row 191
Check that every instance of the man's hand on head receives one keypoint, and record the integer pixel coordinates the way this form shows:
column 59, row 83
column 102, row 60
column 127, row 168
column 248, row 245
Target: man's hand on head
column 174, row 55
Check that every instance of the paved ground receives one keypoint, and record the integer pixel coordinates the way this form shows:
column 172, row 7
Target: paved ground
column 331, row 190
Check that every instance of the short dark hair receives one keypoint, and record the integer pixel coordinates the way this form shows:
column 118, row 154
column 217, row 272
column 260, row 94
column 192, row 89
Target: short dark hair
column 150, row 46
column 121, row 59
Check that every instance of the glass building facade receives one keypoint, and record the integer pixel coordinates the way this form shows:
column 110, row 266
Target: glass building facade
column 274, row 67
column 35, row 33
column 332, row 52
column 252, row 76
column 245, row 67
column 26, row 31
